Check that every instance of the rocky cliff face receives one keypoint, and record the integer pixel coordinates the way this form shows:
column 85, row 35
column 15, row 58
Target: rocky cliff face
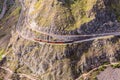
column 27, row 20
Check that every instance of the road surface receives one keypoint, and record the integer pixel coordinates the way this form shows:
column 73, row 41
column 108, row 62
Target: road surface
column 84, row 75
column 65, row 38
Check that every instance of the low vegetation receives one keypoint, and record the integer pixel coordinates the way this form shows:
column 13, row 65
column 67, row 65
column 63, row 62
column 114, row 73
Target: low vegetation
column 102, row 68
column 115, row 65
column 14, row 13
column 93, row 75
column 1, row 53
column 80, row 10
column 116, row 8
column 0, row 10
column 72, row 14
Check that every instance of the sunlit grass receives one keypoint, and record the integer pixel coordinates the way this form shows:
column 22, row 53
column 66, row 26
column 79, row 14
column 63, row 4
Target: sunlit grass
column 1, row 53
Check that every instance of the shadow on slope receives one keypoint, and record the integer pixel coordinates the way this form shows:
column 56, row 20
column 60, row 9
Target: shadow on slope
column 105, row 22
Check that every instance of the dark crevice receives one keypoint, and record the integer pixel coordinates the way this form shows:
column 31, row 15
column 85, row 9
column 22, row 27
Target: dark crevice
column 75, row 57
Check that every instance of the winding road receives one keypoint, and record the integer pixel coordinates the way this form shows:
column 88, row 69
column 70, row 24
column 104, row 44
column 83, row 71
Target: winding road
column 84, row 75
column 34, row 27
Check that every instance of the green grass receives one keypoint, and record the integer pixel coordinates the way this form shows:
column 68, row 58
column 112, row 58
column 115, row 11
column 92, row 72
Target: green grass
column 116, row 8
column 115, row 65
column 1, row 79
column 93, row 75
column 1, row 53
column 79, row 9
column 101, row 68
column 70, row 15
column 16, row 12
column 0, row 10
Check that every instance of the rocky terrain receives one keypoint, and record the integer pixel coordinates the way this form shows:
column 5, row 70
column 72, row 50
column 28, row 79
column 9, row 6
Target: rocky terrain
column 30, row 31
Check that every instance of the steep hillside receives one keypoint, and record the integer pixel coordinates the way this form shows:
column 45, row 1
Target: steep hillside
column 39, row 39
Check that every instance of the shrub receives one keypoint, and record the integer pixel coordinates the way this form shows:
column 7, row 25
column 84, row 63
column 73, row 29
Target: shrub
column 1, row 53
column 116, row 65
column 102, row 68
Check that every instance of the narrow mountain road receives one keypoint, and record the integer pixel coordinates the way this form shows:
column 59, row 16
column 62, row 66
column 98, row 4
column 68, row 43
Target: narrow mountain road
column 91, row 71
column 66, row 42
column 32, row 25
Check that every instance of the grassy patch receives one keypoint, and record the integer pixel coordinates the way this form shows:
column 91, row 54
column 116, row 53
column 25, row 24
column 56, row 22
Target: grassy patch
column 115, row 65
column 37, row 7
column 102, row 68
column 0, row 10
column 68, row 16
column 1, row 53
column 116, row 8
column 15, row 12
column 80, row 9
column 93, row 75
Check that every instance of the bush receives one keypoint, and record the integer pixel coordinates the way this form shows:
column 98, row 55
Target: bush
column 102, row 68
column 116, row 65
column 95, row 78
column 1, row 53
column 0, row 10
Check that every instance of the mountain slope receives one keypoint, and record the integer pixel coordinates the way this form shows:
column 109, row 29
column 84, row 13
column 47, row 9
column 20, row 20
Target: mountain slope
column 28, row 26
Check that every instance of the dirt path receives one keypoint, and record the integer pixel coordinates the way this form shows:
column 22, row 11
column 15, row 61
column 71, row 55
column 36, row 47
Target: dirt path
column 91, row 71
column 109, row 74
